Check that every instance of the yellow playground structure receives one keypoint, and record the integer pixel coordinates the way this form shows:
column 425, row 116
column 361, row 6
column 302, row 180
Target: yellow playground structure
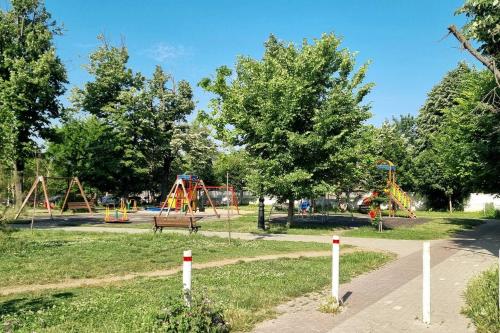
column 397, row 197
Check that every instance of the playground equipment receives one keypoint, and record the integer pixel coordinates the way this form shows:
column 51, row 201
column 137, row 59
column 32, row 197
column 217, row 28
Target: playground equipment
column 397, row 197
column 71, row 205
column 183, row 197
column 230, row 196
column 119, row 215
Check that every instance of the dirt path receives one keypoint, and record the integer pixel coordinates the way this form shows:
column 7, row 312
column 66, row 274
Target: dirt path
column 160, row 273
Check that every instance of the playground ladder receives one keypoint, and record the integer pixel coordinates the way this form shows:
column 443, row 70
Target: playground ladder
column 401, row 198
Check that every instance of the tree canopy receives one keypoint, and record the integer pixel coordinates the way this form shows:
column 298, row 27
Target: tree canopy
column 293, row 111
column 32, row 77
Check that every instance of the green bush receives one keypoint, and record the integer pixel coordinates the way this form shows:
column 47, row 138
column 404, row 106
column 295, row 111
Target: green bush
column 201, row 316
column 481, row 299
column 490, row 212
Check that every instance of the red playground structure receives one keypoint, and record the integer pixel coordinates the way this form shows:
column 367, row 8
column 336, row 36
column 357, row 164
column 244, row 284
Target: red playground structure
column 189, row 194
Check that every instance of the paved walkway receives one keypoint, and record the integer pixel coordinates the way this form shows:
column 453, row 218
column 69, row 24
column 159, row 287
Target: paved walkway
column 389, row 299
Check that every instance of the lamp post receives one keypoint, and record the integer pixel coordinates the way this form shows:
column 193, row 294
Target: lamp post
column 260, row 220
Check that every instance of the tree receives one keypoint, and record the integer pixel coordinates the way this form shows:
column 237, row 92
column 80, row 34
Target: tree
column 462, row 150
column 87, row 148
column 293, row 111
column 197, row 152
column 115, row 96
column 165, row 108
column 468, row 141
column 442, row 96
column 483, row 27
column 32, row 77
column 237, row 164
column 395, row 141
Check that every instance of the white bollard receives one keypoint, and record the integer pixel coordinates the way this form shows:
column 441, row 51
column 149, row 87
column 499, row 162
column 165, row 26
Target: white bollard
column 426, row 283
column 186, row 276
column 335, row 268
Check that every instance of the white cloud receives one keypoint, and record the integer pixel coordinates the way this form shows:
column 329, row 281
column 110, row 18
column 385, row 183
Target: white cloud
column 162, row 52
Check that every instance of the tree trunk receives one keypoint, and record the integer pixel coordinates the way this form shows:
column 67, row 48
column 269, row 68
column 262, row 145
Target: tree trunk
column 18, row 183
column 167, row 163
column 451, row 206
column 289, row 220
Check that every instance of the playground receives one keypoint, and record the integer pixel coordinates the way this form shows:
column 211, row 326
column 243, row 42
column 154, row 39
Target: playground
column 249, row 166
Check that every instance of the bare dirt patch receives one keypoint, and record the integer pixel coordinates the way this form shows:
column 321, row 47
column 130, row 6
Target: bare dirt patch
column 160, row 273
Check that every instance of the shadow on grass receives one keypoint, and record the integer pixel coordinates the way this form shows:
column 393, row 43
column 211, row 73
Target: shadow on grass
column 278, row 224
column 13, row 307
column 71, row 221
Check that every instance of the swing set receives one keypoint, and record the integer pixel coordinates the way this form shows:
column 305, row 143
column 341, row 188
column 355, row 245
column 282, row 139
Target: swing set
column 184, row 197
column 42, row 180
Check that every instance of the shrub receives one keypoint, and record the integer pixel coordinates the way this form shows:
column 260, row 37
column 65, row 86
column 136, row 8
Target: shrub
column 481, row 299
column 201, row 316
column 490, row 212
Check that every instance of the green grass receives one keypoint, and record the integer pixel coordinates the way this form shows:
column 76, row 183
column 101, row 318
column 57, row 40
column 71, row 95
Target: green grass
column 248, row 223
column 434, row 229
column 49, row 256
column 481, row 298
column 248, row 293
column 455, row 214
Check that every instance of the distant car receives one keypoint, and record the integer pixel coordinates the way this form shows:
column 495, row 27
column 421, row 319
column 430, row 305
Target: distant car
column 56, row 198
column 110, row 200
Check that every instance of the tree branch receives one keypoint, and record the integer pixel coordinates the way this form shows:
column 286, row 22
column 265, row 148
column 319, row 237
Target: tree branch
column 488, row 62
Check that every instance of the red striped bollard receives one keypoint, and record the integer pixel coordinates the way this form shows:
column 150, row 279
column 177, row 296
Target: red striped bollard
column 186, row 276
column 335, row 268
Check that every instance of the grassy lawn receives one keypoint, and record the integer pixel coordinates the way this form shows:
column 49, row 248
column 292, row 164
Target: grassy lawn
column 434, row 229
column 481, row 301
column 248, row 223
column 248, row 293
column 442, row 225
column 48, row 256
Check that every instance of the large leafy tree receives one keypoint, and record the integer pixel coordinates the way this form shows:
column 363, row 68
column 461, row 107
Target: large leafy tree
column 293, row 111
column 87, row 148
column 468, row 142
column 115, row 97
column 462, row 149
column 429, row 173
column 165, row 107
column 235, row 163
column 444, row 95
column 32, row 77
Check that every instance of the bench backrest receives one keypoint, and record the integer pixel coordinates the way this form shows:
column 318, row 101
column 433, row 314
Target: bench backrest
column 174, row 219
column 79, row 205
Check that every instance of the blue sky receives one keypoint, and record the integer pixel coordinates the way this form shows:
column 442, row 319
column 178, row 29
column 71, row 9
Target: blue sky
column 190, row 39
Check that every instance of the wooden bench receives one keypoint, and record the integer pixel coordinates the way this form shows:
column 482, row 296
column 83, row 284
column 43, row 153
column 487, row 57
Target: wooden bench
column 188, row 222
column 79, row 205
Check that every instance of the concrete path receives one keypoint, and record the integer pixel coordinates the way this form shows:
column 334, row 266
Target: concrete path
column 389, row 299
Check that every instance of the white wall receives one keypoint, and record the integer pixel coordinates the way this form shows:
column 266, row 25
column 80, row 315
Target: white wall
column 476, row 201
